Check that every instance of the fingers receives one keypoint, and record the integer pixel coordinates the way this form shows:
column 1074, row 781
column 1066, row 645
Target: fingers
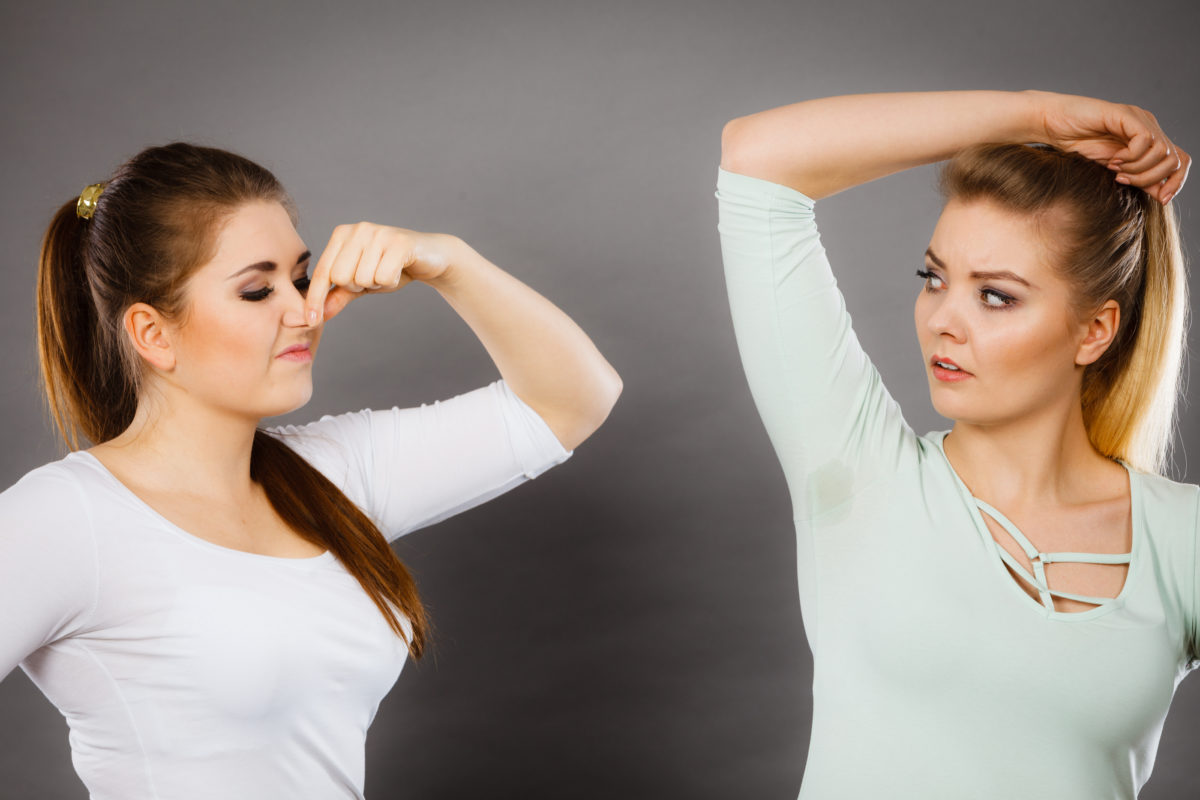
column 1135, row 148
column 319, row 283
column 1160, row 170
column 336, row 300
column 1152, row 150
column 1149, row 160
column 358, row 259
column 1173, row 184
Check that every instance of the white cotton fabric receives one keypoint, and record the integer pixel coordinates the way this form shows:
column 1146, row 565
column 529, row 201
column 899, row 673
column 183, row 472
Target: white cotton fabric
column 189, row 670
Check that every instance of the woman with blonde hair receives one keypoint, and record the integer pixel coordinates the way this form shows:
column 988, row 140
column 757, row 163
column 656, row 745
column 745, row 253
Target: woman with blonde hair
column 1002, row 610
column 213, row 605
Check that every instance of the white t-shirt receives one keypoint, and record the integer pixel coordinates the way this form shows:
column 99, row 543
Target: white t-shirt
column 189, row 670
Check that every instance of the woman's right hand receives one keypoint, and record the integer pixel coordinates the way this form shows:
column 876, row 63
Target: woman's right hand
column 1126, row 139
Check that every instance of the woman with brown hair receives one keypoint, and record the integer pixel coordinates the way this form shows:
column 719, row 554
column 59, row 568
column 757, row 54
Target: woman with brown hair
column 1002, row 610
column 213, row 606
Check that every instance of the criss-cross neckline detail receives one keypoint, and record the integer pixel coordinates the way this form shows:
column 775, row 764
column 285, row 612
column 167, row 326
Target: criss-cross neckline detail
column 1038, row 559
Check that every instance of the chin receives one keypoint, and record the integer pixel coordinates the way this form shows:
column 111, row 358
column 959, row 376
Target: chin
column 953, row 408
column 278, row 406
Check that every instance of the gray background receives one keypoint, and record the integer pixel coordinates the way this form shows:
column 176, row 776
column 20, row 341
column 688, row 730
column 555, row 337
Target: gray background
column 627, row 625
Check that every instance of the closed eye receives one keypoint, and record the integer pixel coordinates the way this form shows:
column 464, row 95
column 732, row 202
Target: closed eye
column 301, row 285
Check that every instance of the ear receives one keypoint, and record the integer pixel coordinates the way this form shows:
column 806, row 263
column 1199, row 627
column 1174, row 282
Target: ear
column 147, row 329
column 1101, row 329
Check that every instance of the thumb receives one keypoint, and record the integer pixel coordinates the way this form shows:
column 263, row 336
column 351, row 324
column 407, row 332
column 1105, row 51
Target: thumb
column 337, row 299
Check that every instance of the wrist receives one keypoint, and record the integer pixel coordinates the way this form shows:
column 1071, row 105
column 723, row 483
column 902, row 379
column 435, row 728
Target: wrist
column 1031, row 117
column 460, row 260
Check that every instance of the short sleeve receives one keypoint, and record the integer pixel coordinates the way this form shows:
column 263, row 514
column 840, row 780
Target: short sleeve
column 833, row 424
column 409, row 468
column 48, row 564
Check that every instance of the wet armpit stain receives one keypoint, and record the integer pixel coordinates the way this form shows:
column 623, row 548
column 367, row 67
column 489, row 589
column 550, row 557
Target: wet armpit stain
column 829, row 487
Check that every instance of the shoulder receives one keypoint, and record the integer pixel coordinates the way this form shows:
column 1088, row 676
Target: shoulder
column 1168, row 503
column 52, row 490
column 332, row 443
column 1169, row 513
column 48, row 516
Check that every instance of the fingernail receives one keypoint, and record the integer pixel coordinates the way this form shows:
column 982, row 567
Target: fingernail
column 1167, row 199
column 312, row 316
column 1122, row 179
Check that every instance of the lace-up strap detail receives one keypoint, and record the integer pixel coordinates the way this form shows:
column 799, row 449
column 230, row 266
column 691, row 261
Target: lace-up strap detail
column 1039, row 559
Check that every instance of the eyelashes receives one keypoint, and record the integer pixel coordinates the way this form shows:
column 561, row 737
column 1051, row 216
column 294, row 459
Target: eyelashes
column 929, row 278
column 262, row 294
column 991, row 299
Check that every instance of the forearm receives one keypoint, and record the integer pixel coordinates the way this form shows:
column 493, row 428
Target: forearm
column 543, row 356
column 820, row 147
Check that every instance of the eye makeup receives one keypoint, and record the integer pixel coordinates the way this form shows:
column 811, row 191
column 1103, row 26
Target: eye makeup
column 255, row 296
column 992, row 299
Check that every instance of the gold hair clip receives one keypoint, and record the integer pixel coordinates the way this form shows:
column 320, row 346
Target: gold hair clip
column 87, row 200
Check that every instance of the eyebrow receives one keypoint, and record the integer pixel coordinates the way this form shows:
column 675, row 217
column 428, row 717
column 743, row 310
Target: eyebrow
column 993, row 275
column 268, row 266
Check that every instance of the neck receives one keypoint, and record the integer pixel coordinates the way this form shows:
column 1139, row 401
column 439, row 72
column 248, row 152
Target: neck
column 1038, row 460
column 182, row 444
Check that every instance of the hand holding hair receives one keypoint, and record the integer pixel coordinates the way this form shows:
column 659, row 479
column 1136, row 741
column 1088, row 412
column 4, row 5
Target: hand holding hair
column 824, row 146
column 1125, row 138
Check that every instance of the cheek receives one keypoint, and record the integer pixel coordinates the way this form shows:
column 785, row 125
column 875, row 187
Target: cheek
column 222, row 339
column 921, row 315
column 1029, row 345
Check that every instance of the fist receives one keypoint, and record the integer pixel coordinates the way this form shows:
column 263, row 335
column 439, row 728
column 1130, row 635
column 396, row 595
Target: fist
column 372, row 259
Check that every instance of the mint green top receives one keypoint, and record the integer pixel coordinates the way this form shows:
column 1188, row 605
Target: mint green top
column 935, row 674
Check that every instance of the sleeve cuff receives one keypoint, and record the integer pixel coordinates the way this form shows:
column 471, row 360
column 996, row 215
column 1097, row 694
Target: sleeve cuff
column 534, row 445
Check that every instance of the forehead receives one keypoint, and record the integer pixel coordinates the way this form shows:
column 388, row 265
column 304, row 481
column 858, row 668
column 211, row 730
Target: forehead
column 984, row 236
column 256, row 231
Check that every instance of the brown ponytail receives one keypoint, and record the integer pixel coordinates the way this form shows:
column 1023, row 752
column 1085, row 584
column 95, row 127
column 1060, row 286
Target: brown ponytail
column 154, row 224
column 1113, row 242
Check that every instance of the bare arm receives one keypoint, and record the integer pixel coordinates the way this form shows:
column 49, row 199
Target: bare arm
column 820, row 147
column 543, row 356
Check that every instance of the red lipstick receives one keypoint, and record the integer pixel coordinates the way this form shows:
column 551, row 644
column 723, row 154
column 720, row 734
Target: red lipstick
column 944, row 369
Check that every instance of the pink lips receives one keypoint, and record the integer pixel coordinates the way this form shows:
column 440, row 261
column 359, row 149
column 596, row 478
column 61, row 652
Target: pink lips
column 297, row 352
column 942, row 373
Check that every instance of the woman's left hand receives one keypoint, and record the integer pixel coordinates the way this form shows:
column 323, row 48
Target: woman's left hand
column 373, row 259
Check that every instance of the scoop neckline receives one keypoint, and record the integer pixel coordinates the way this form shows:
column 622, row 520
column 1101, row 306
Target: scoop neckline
column 1111, row 604
column 129, row 494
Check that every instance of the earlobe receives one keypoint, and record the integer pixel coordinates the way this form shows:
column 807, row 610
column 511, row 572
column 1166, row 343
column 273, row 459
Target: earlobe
column 1101, row 330
column 146, row 328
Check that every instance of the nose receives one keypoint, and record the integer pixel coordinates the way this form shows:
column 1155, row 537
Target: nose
column 947, row 316
column 293, row 312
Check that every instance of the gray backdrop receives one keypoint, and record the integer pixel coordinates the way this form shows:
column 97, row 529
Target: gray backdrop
column 626, row 626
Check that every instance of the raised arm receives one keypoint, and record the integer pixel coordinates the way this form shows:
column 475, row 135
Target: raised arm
column 830, row 419
column 543, row 356
column 820, row 147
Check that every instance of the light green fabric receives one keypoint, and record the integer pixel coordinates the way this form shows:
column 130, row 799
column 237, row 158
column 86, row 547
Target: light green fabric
column 935, row 674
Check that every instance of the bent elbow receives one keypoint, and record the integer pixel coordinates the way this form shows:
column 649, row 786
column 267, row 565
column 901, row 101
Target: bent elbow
column 589, row 417
column 740, row 145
